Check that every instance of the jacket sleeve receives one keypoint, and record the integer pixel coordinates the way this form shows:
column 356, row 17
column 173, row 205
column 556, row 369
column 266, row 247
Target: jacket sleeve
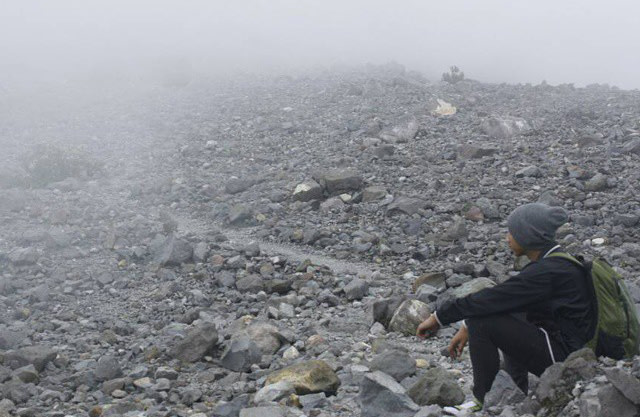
column 532, row 285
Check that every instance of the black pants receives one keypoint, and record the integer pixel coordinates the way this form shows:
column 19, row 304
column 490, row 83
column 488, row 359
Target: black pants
column 523, row 344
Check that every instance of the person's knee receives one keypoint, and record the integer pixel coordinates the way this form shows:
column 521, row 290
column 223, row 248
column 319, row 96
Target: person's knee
column 486, row 324
column 478, row 324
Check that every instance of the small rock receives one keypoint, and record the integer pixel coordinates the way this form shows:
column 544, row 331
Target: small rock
column 274, row 392
column 143, row 383
column 356, row 289
column 599, row 182
column 307, row 191
column 373, row 193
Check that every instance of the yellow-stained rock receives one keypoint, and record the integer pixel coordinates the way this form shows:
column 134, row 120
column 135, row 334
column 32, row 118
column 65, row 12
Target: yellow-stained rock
column 422, row 363
column 308, row 377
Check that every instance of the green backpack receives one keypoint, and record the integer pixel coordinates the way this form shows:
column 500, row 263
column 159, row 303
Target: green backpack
column 617, row 333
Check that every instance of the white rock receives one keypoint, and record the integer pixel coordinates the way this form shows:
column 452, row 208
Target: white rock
column 291, row 353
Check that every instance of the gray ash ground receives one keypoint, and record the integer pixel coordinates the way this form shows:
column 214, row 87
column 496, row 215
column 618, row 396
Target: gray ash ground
column 179, row 277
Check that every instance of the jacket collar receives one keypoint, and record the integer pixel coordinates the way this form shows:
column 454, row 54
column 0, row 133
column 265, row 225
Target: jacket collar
column 550, row 249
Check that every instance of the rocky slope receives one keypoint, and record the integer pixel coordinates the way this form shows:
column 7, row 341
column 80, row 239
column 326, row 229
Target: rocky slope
column 266, row 246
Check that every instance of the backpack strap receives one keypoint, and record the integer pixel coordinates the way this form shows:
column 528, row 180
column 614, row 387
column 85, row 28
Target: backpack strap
column 566, row 256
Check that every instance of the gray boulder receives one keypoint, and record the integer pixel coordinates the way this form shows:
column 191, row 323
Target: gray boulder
column 406, row 205
column 307, row 191
column 24, row 256
column 473, row 286
column 408, row 316
column 381, row 396
column 336, row 182
column 198, row 342
column 240, row 215
column 38, row 356
column 373, row 193
column 599, row 182
column 397, row 363
column 269, row 411
column 503, row 127
column 107, row 368
column 504, row 391
column 173, row 251
column 274, row 392
column 238, row 185
column 632, row 146
column 356, row 289
column 530, row 171
column 436, row 386
column 558, row 380
column 626, row 383
column 606, row 401
column 382, row 310
column 430, row 411
column 435, row 279
column 241, row 353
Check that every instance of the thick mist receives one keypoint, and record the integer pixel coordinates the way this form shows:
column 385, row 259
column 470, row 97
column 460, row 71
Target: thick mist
column 577, row 42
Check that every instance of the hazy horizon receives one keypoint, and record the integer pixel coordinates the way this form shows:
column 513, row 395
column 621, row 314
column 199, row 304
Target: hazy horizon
column 492, row 41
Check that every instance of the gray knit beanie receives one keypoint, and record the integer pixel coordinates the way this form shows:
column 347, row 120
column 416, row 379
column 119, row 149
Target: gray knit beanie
column 534, row 225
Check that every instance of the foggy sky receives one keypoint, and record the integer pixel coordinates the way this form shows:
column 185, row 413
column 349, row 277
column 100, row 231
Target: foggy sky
column 491, row 40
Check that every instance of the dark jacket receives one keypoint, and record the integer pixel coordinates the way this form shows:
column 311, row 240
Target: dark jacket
column 553, row 292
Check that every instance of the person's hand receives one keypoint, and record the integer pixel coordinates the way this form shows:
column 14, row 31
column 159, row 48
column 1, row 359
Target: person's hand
column 428, row 328
column 458, row 343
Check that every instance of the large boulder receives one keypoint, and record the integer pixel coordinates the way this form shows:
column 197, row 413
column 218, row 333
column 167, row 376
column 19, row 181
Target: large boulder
column 436, row 386
column 308, row 377
column 381, row 396
column 402, row 132
column 198, row 342
column 356, row 289
column 503, row 391
column 408, row 316
column 626, row 383
column 241, row 353
column 397, row 363
column 554, row 390
column 382, row 310
column 38, row 356
column 107, row 368
column 606, row 401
